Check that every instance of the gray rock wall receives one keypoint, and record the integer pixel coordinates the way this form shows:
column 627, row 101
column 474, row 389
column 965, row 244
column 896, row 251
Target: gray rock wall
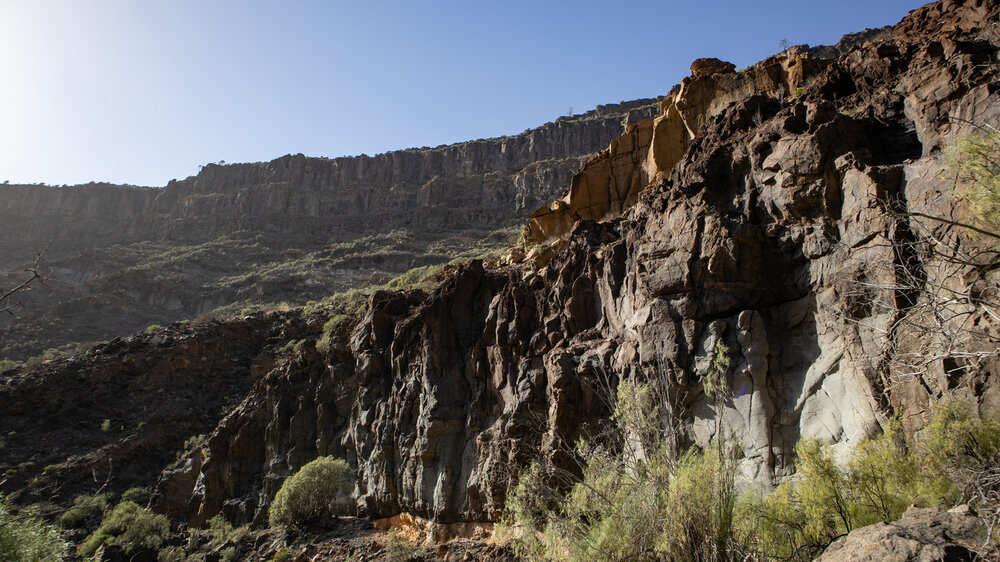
column 778, row 238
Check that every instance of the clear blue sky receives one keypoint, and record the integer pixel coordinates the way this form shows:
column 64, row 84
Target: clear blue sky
column 141, row 92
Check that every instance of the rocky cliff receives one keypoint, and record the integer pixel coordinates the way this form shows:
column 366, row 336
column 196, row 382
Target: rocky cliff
column 786, row 229
column 813, row 234
column 121, row 257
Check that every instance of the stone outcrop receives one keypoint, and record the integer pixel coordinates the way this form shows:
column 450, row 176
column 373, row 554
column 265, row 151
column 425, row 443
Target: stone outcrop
column 921, row 534
column 608, row 184
column 120, row 412
column 611, row 181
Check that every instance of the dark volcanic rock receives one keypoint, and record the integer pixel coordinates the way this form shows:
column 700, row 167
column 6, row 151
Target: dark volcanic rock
column 118, row 413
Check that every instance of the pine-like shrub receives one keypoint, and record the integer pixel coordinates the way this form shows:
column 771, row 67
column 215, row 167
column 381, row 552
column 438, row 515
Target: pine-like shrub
column 86, row 508
column 130, row 527
column 309, row 494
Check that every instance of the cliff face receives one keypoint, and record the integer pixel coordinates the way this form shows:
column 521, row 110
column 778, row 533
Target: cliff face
column 778, row 234
column 156, row 255
column 480, row 177
column 796, row 233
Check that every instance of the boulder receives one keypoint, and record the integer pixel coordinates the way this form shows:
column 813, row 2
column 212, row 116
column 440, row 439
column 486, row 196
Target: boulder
column 921, row 535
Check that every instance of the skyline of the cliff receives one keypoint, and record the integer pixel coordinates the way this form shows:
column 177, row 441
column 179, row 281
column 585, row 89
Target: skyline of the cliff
column 140, row 95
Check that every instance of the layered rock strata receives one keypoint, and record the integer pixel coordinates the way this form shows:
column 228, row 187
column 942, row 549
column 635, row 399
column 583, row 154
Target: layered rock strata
column 120, row 258
column 468, row 182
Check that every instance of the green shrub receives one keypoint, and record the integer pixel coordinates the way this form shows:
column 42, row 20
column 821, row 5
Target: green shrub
column 191, row 444
column 25, row 536
column 801, row 518
column 714, row 382
column 312, row 307
column 416, row 277
column 137, row 495
column 86, row 508
column 956, row 439
column 171, row 554
column 701, row 505
column 826, row 501
column 976, row 161
column 291, row 346
column 130, row 527
column 309, row 494
column 222, row 530
column 350, row 302
column 194, row 538
column 324, row 341
column 957, row 452
column 961, row 456
column 883, row 477
column 632, row 500
column 220, row 527
column 530, row 502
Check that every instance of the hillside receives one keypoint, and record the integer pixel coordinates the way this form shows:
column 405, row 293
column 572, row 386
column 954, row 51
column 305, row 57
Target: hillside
column 783, row 254
column 120, row 258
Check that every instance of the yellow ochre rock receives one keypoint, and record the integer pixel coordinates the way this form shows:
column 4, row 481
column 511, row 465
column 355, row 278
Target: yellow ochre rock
column 610, row 182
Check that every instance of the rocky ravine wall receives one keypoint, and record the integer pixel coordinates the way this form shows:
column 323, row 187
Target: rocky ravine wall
column 758, row 237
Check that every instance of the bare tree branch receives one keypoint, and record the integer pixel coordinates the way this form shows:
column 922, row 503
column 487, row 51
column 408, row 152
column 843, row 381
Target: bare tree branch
column 933, row 306
column 944, row 220
column 6, row 305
